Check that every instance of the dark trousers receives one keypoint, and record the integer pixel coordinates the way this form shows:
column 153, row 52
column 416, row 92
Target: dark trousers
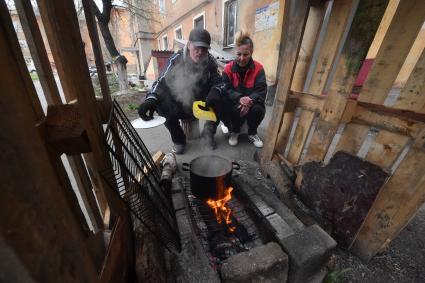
column 254, row 117
column 173, row 111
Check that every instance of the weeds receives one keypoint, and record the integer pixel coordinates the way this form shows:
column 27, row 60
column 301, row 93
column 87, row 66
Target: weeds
column 334, row 276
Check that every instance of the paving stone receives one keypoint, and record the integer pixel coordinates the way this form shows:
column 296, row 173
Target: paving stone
column 178, row 201
column 267, row 263
column 184, row 224
column 282, row 228
column 308, row 251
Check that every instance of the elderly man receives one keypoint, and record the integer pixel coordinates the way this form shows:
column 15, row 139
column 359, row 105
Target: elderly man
column 191, row 74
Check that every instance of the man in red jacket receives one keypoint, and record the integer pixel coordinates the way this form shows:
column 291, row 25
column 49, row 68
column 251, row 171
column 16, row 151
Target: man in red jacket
column 245, row 84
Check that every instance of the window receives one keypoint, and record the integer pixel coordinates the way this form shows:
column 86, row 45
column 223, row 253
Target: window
column 198, row 21
column 161, row 4
column 178, row 33
column 165, row 42
column 230, row 9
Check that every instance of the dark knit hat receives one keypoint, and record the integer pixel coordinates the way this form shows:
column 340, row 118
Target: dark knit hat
column 200, row 37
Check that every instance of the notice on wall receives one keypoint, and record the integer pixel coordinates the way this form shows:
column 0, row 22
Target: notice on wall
column 266, row 17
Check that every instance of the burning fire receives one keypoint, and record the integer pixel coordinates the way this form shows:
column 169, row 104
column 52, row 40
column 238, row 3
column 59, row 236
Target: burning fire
column 221, row 211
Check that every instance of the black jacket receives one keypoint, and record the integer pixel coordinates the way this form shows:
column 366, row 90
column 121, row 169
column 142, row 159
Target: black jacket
column 187, row 81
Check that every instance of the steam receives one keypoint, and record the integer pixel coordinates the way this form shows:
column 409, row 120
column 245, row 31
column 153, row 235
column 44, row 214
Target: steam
column 185, row 81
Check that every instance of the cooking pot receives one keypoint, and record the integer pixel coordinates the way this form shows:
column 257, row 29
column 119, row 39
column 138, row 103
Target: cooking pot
column 209, row 176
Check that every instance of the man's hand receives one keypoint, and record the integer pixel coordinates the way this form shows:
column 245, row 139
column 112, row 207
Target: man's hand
column 245, row 104
column 148, row 106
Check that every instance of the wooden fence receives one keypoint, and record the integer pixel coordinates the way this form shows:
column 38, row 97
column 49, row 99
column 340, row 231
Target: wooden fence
column 324, row 44
column 42, row 222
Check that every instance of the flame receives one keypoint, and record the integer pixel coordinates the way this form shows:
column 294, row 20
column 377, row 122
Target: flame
column 221, row 211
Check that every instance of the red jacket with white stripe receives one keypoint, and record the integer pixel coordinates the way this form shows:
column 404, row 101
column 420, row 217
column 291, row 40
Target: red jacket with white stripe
column 253, row 84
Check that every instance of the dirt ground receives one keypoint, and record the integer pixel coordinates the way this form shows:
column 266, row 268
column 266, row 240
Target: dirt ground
column 404, row 261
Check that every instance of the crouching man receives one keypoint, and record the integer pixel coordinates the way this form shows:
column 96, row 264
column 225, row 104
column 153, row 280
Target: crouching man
column 190, row 75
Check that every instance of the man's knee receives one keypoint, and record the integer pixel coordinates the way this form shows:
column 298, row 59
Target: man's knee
column 257, row 110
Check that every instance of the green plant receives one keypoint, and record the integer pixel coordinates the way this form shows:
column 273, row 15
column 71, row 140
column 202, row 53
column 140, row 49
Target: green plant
column 132, row 106
column 334, row 276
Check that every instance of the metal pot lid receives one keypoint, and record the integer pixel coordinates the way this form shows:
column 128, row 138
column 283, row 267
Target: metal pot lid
column 210, row 166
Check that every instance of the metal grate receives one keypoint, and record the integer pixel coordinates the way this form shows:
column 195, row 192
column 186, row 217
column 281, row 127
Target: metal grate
column 206, row 227
column 136, row 179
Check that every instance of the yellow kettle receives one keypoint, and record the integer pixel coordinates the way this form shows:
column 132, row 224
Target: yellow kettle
column 201, row 112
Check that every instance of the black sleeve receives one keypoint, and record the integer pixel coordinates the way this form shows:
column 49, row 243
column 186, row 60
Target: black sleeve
column 230, row 91
column 160, row 84
column 260, row 88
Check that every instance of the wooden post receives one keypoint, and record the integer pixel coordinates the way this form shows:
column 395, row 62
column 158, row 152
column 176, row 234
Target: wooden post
column 51, row 92
column 295, row 17
column 97, row 50
column 405, row 25
column 34, row 205
column 62, row 29
column 359, row 38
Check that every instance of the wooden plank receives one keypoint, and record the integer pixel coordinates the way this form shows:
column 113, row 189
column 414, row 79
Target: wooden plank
column 382, row 30
column 117, row 264
column 308, row 101
column 387, row 120
column 97, row 51
column 412, row 96
column 368, row 14
column 38, row 223
column 38, row 51
column 385, row 148
column 352, row 138
column 311, row 32
column 62, row 29
column 340, row 14
column 396, row 203
column 395, row 47
column 9, row 31
column 285, row 130
column 84, row 187
column 295, row 16
column 300, row 136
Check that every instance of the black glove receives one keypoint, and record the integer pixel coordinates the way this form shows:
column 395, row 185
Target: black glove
column 148, row 106
column 212, row 100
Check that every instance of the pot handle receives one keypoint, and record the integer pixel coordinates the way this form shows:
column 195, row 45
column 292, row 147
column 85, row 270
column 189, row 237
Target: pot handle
column 236, row 165
column 185, row 166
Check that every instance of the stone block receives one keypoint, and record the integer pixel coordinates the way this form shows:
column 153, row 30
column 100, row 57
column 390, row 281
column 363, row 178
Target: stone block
column 267, row 263
column 184, row 224
column 178, row 201
column 308, row 251
column 282, row 228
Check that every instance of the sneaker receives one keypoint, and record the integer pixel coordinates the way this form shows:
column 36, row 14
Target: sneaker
column 255, row 139
column 178, row 148
column 233, row 139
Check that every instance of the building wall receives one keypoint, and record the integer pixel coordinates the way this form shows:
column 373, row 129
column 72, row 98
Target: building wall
column 266, row 42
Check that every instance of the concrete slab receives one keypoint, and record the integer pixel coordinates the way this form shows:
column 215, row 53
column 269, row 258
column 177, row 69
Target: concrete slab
column 267, row 263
